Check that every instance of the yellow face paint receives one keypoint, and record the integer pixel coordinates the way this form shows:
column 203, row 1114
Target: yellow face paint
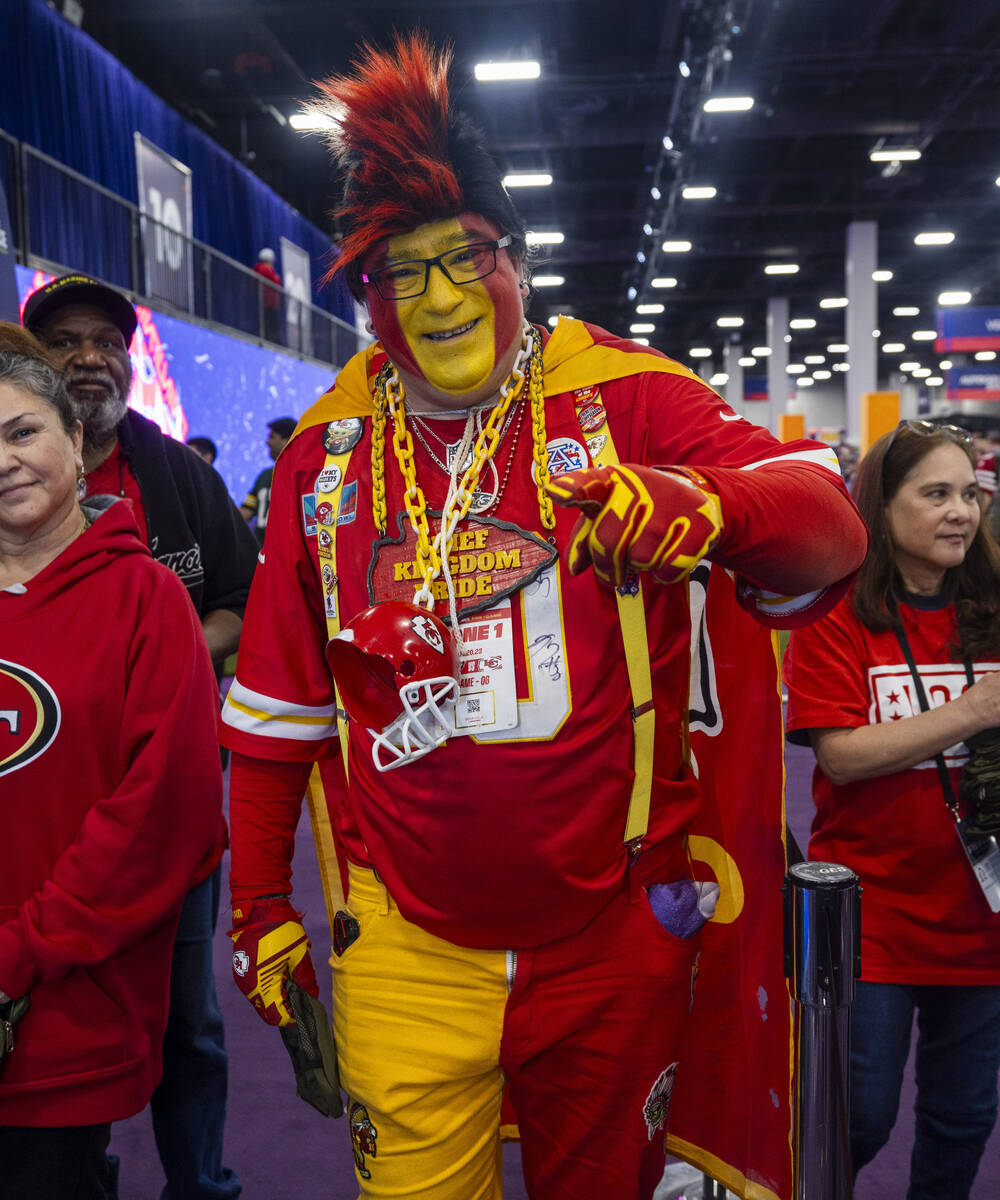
column 450, row 333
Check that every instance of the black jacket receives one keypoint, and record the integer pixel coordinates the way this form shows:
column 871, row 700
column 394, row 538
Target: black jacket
column 194, row 527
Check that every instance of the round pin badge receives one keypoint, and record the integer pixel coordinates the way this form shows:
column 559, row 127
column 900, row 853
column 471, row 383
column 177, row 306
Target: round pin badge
column 342, row 435
column 592, row 417
column 328, row 479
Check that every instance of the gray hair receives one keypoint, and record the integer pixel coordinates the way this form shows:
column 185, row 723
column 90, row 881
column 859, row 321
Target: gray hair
column 38, row 377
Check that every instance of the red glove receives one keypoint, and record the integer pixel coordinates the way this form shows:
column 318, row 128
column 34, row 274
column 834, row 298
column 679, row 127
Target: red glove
column 639, row 519
column 270, row 947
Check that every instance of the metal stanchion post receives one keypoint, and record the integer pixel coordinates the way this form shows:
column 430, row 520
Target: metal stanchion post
column 822, row 957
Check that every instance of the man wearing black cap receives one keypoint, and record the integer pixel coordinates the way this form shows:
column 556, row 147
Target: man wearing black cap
column 190, row 523
column 258, row 498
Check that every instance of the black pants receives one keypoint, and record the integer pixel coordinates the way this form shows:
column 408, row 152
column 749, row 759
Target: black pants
column 65, row 1163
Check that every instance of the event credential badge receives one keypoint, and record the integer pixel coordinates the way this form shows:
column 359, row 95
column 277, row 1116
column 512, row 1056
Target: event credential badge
column 487, row 698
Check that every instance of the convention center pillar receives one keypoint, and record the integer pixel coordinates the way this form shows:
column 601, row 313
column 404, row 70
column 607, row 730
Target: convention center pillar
column 791, row 426
column 822, row 927
column 777, row 363
column 861, row 260
column 734, row 383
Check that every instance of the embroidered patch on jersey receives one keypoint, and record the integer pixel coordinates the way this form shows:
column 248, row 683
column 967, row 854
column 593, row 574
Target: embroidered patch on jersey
column 309, row 513
column 656, row 1110
column 328, row 478
column 490, row 560
column 585, row 395
column 29, row 716
column 343, row 435
column 348, row 503
column 596, row 444
column 363, row 1138
column 564, row 455
column 592, row 417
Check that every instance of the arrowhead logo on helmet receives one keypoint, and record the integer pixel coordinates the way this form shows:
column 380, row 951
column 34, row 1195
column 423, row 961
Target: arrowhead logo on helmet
column 396, row 668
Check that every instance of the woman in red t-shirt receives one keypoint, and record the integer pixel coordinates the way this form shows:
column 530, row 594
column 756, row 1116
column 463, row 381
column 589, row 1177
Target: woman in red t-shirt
column 881, row 690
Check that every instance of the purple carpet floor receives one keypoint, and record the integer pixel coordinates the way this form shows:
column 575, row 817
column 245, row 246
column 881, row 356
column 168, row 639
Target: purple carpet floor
column 284, row 1150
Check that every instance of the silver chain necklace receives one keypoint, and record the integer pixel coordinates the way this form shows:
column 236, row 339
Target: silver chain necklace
column 484, row 499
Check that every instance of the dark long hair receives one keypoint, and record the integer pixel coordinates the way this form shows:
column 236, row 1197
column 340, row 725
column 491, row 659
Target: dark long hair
column 974, row 585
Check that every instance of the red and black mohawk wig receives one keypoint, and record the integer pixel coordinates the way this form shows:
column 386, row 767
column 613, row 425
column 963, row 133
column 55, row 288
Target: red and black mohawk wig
column 407, row 158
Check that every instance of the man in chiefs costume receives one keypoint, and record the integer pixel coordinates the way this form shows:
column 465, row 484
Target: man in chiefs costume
column 508, row 801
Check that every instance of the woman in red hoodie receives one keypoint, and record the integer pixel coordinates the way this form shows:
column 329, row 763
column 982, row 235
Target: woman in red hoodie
column 107, row 751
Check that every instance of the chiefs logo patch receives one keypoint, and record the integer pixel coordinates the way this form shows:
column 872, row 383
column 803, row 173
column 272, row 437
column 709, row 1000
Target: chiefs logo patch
column 29, row 716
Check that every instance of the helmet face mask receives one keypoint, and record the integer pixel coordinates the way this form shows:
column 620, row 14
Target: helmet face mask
column 396, row 669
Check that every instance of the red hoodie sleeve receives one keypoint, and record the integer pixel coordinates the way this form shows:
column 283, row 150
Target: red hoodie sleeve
column 138, row 850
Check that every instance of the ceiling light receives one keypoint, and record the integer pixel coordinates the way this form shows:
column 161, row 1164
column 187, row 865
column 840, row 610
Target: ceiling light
column 553, row 320
column 944, row 364
column 655, row 192
column 632, row 293
column 934, row 381
column 815, row 358
column 668, row 142
column 730, row 322
column 747, row 362
column 802, row 323
column 796, row 368
column 881, row 276
column 760, row 351
column 805, row 381
column 527, row 179
column 649, row 309
column 491, row 72
column 700, row 352
column 781, row 269
column 896, row 154
column 663, row 281
column 697, row 193
column 924, row 335
column 822, row 375
column 642, row 327
column 647, row 229
column 909, row 366
column 641, row 341
column 305, row 122
column 834, row 302
column 985, row 355
column 841, row 367
column 905, row 310
column 684, row 69
column 954, row 298
column 941, row 238
column 921, row 372
column 787, row 337
column 547, row 280
column 893, row 348
column 837, row 348
column 535, row 237
column 677, row 247
column 718, row 379
column 640, row 256
column 728, row 104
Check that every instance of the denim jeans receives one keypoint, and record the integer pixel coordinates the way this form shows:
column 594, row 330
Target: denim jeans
column 189, row 1106
column 957, row 1060
column 64, row 1163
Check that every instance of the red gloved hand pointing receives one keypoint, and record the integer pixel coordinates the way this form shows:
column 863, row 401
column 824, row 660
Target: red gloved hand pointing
column 639, row 519
column 270, row 946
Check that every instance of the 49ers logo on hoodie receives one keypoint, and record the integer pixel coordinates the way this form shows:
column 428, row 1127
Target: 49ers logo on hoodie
column 29, row 716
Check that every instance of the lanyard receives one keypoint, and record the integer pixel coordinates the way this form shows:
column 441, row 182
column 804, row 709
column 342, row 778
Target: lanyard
column 950, row 799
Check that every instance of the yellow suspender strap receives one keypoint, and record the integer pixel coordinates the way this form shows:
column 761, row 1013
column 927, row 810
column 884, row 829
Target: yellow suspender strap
column 332, row 477
column 632, row 617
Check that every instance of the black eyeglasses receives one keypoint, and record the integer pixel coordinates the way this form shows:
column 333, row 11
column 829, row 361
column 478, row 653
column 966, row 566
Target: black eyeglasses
column 465, row 264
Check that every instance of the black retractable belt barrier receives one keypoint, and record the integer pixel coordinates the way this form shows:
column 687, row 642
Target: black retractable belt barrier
column 822, row 927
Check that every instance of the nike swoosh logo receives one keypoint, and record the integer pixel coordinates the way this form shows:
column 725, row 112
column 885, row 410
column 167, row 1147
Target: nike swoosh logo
column 729, row 416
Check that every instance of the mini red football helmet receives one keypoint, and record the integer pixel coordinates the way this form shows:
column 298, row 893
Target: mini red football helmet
column 396, row 668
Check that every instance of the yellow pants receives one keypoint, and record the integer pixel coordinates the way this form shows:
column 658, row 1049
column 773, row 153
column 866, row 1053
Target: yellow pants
column 432, row 1123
